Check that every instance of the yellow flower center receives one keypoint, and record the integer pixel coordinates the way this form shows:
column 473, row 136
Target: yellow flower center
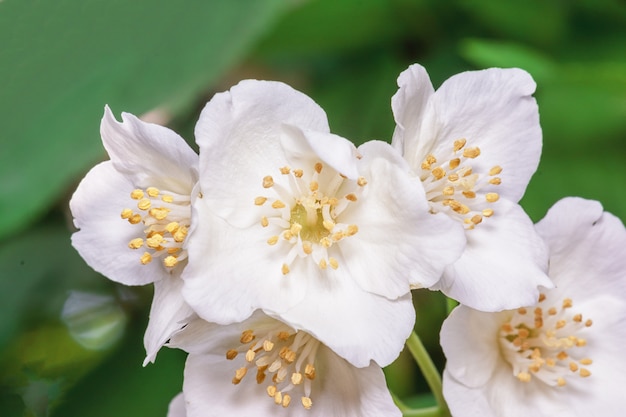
column 452, row 185
column 283, row 358
column 165, row 217
column 546, row 343
column 304, row 211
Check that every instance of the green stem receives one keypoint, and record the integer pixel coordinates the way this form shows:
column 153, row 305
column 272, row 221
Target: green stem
column 451, row 304
column 423, row 412
column 430, row 372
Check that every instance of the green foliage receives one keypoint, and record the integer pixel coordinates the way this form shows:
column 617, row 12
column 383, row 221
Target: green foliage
column 62, row 61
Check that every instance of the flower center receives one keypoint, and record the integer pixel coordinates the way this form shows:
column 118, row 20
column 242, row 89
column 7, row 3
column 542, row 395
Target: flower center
column 451, row 184
column 287, row 357
column 304, row 212
column 165, row 217
column 546, row 344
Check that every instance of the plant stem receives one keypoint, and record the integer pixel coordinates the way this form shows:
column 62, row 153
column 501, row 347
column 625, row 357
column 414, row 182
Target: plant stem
column 430, row 372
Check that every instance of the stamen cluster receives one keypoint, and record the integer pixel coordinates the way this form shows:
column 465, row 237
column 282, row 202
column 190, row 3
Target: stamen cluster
column 545, row 343
column 166, row 220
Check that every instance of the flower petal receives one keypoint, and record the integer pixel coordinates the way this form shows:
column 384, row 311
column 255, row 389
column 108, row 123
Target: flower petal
column 503, row 265
column 149, row 154
column 358, row 326
column 239, row 138
column 341, row 390
column 168, row 314
column 408, row 105
column 304, row 148
column 241, row 274
column 469, row 339
column 103, row 236
column 493, row 110
column 398, row 237
column 177, row 407
column 586, row 247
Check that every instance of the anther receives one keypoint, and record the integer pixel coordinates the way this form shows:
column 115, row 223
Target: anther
column 495, row 181
column 152, row 191
column 285, row 170
column 285, row 269
column 449, row 190
column 167, row 199
column 430, row 159
column 298, row 173
column 136, row 194
column 352, row 230
column 145, row 258
column 333, row 263
column 454, row 163
column 268, row 181
column 492, row 197
column 286, row 400
column 477, row 219
column 231, row 354
column 278, row 204
column 144, row 204
column 307, row 247
column 271, row 390
column 495, row 170
column 239, row 374
column 135, row 243
column 438, row 173
column 567, row 303
column 469, row 194
column 471, row 152
column 264, row 221
column 170, row 261
column 459, row 143
column 361, row 181
column 322, row 264
column 351, row 197
column 523, row 376
column 314, row 186
column 584, row 372
column 487, row 212
column 259, row 201
column 307, row 403
column 318, row 167
column 247, row 336
column 296, row 378
column 560, row 381
column 542, row 297
column 309, row 371
column 126, row 213
column 135, row 219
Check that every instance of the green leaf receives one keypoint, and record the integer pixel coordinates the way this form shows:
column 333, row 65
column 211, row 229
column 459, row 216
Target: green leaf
column 62, row 61
column 484, row 54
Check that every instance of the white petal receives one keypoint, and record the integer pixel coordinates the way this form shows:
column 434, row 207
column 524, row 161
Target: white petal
column 148, row 154
column 469, row 339
column 304, row 148
column 177, row 407
column 104, row 236
column 339, row 390
column 408, row 105
column 503, row 266
column 168, row 314
column 231, row 272
column 586, row 247
column 399, row 241
column 494, row 110
column 239, row 138
column 357, row 325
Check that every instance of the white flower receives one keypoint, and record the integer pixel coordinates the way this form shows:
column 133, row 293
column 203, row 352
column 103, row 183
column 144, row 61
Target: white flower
column 562, row 356
column 177, row 407
column 298, row 222
column 133, row 213
column 475, row 143
column 263, row 367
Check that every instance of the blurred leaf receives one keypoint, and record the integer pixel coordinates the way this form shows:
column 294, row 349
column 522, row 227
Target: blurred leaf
column 537, row 22
column 357, row 101
column 61, row 61
column 39, row 269
column 121, row 387
column 328, row 27
column 487, row 53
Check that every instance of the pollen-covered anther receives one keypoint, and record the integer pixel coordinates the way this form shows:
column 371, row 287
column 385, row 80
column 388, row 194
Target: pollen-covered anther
column 135, row 243
column 170, row 261
column 495, row 181
column 145, row 259
column 334, row 264
column 285, row 269
column 259, row 201
column 239, row 375
column 136, row 194
column 247, row 336
column 438, row 173
column 361, row 182
column 471, row 152
column 278, row 204
column 492, row 197
column 307, row 403
column 459, row 144
column 351, row 197
column 268, row 181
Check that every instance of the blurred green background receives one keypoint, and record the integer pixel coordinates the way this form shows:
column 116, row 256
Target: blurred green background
column 70, row 340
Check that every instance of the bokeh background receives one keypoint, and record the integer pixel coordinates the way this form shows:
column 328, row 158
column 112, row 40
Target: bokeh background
column 70, row 340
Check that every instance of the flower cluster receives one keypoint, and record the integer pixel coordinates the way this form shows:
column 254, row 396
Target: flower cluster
column 283, row 257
